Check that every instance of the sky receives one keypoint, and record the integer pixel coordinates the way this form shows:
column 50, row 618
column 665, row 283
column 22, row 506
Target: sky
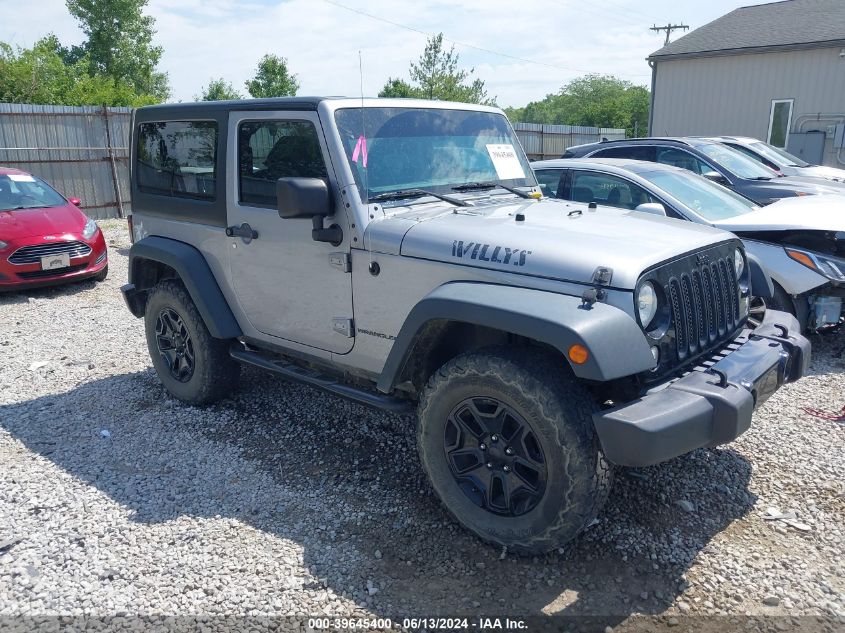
column 522, row 50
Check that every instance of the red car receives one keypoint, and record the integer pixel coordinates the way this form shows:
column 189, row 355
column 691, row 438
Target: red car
column 45, row 239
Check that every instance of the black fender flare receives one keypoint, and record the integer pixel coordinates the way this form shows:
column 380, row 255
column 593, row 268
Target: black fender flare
column 761, row 282
column 194, row 272
column 615, row 341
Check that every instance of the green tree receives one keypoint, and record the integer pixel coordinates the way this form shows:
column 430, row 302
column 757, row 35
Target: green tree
column 42, row 74
column 218, row 90
column 593, row 100
column 398, row 88
column 119, row 44
column 436, row 75
column 272, row 79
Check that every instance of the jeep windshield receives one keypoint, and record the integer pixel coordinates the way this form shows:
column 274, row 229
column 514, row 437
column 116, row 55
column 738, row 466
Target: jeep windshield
column 429, row 149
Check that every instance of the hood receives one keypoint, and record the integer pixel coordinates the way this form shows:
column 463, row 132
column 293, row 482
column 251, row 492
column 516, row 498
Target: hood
column 821, row 213
column 819, row 171
column 807, row 184
column 557, row 239
column 41, row 221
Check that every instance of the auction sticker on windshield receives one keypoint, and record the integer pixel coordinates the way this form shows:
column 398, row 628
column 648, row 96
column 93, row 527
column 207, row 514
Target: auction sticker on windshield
column 505, row 161
column 21, row 178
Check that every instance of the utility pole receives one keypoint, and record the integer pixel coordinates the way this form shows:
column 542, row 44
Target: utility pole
column 669, row 28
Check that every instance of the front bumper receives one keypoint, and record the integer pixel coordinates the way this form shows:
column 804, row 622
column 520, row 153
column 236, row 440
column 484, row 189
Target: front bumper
column 15, row 277
column 709, row 406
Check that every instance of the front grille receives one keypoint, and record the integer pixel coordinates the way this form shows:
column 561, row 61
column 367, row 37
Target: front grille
column 33, row 254
column 702, row 292
column 705, row 306
column 38, row 274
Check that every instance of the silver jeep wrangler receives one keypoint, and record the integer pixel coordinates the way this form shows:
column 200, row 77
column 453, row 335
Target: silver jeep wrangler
column 399, row 253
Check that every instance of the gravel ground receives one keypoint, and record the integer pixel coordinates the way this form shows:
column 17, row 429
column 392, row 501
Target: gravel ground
column 116, row 499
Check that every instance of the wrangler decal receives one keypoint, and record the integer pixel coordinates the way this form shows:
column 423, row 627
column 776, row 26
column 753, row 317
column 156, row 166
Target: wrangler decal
column 478, row 251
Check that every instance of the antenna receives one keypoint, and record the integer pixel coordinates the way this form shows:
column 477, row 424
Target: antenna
column 669, row 28
column 363, row 130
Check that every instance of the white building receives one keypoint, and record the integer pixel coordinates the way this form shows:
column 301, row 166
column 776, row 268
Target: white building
column 773, row 71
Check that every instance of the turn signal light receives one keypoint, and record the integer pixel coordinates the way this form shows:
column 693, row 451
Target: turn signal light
column 801, row 258
column 578, row 354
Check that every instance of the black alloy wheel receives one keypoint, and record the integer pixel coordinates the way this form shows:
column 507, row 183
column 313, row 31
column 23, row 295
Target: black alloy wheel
column 495, row 456
column 174, row 344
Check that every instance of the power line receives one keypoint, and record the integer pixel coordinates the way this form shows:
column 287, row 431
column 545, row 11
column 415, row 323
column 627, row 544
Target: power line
column 455, row 42
column 632, row 11
column 632, row 14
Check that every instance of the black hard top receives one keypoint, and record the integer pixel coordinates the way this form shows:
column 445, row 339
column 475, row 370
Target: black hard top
column 210, row 109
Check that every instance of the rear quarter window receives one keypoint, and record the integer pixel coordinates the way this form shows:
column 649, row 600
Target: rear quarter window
column 178, row 158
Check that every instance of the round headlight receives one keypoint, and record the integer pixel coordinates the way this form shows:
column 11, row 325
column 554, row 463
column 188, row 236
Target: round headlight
column 646, row 303
column 739, row 263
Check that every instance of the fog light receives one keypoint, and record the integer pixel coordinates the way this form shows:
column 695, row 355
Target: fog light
column 655, row 353
column 578, row 354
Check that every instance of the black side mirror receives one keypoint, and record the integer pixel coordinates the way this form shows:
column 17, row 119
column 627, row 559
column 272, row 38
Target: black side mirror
column 302, row 197
column 308, row 198
column 716, row 177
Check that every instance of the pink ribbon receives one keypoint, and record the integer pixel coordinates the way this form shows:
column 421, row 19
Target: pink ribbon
column 360, row 150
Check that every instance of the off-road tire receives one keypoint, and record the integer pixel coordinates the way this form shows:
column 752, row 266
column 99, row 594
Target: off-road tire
column 101, row 276
column 541, row 388
column 215, row 374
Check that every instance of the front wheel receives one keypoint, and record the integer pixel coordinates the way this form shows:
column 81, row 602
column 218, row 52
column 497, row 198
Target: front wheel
column 781, row 301
column 507, row 440
column 101, row 276
column 193, row 365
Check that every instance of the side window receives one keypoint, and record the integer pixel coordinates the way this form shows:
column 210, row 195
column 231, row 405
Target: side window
column 638, row 152
column 269, row 150
column 549, row 180
column 610, row 190
column 178, row 158
column 679, row 158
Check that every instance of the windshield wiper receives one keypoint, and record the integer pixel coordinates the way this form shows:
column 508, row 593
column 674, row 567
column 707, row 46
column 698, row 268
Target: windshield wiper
column 762, row 178
column 491, row 185
column 416, row 193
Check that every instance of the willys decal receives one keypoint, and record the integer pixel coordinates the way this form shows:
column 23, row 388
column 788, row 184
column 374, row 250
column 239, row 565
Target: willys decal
column 489, row 253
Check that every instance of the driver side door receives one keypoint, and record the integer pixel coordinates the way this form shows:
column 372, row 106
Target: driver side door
column 290, row 287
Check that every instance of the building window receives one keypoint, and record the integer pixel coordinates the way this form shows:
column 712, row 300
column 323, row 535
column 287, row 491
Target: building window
column 780, row 119
column 178, row 158
column 269, row 150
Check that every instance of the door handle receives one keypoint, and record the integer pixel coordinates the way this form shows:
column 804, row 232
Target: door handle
column 244, row 231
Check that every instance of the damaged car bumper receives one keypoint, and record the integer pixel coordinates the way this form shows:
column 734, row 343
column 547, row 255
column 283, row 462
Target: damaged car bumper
column 711, row 405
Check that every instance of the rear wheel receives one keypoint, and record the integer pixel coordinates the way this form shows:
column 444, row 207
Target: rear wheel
column 193, row 365
column 506, row 438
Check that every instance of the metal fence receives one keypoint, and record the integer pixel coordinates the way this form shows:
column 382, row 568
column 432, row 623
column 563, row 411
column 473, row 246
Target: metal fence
column 541, row 141
column 81, row 151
